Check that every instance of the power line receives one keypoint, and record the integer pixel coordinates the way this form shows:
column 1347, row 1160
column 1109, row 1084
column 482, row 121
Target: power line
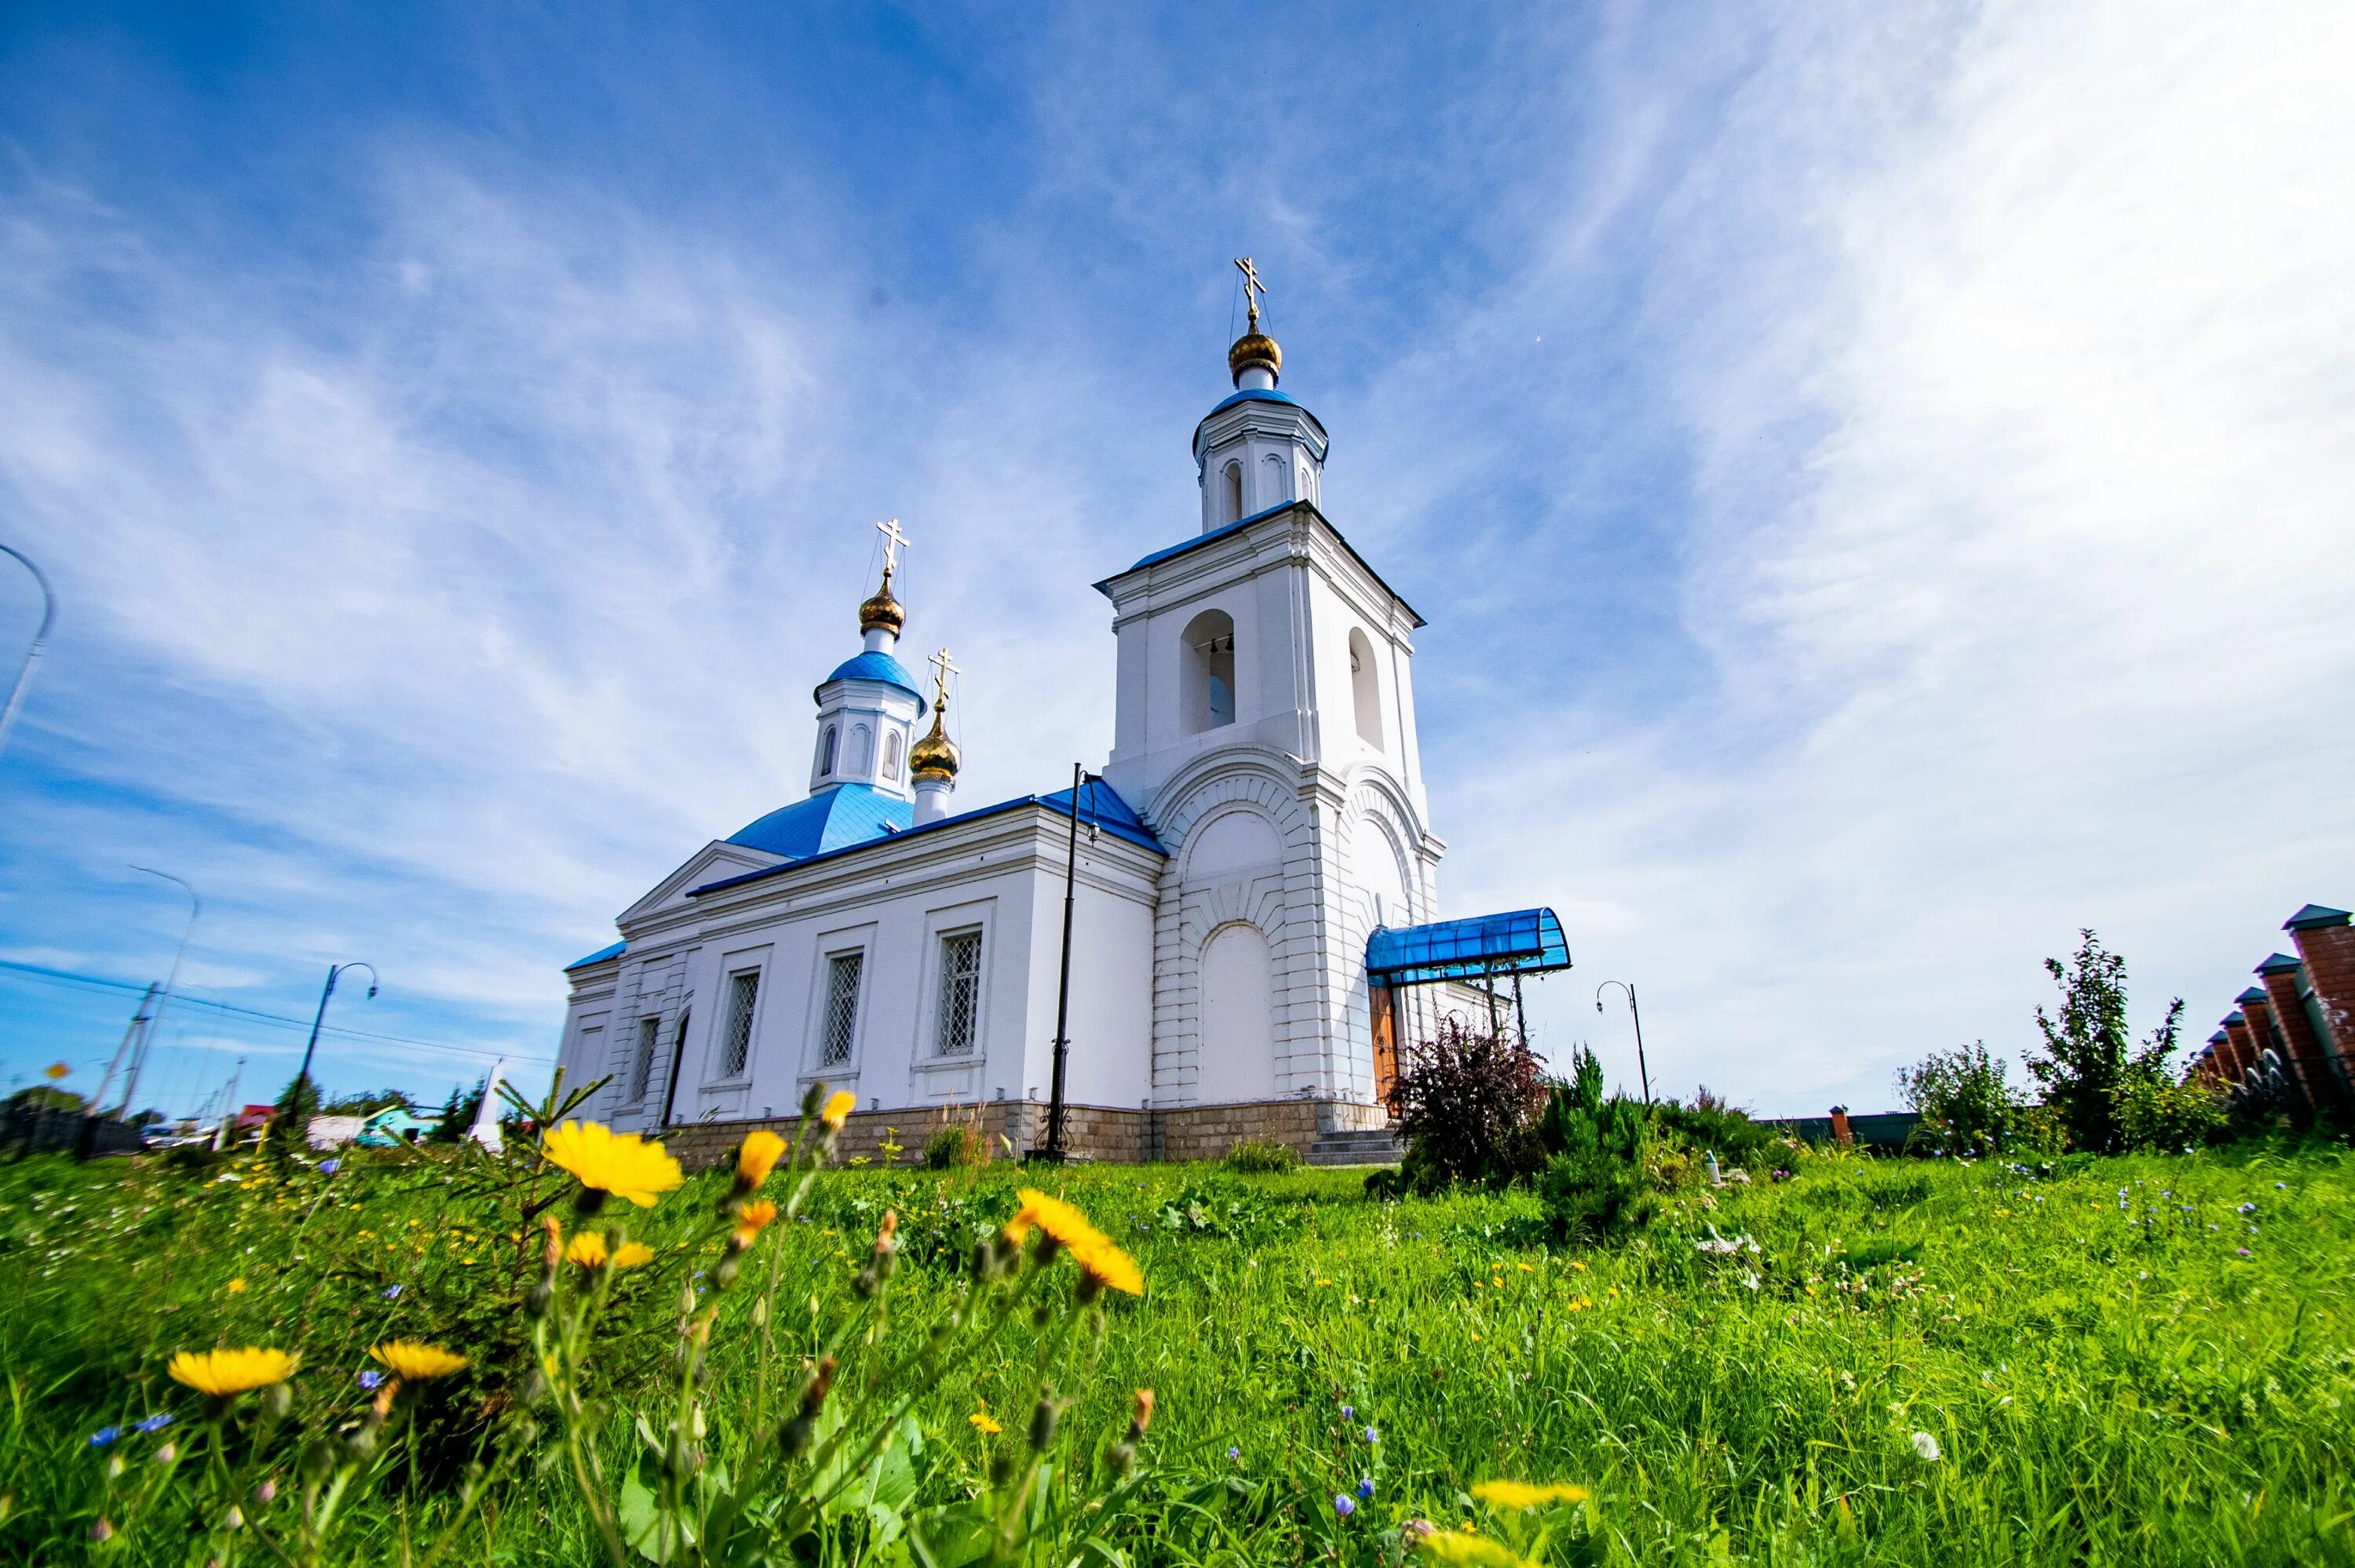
column 67, row 977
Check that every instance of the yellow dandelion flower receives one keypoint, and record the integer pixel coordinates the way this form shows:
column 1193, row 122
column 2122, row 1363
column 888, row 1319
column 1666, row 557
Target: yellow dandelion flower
column 588, row 1250
column 839, row 1106
column 1523, row 1494
column 222, row 1373
column 1527, row 1269
column 630, row 1254
column 758, row 1157
column 1112, row 1270
column 235, row 1286
column 1463, row 1546
column 620, row 1164
column 752, row 1219
column 1057, row 1218
column 984, row 1423
column 1578, row 1266
column 412, row 1360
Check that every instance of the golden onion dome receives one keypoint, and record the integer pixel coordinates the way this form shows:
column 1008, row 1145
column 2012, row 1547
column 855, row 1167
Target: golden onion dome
column 883, row 612
column 1253, row 348
column 935, row 755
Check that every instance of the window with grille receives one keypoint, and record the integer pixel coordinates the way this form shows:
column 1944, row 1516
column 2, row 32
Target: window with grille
column 960, row 991
column 842, row 971
column 736, row 1040
column 642, row 1066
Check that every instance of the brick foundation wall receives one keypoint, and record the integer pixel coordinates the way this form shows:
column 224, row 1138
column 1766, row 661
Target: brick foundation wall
column 1105, row 1134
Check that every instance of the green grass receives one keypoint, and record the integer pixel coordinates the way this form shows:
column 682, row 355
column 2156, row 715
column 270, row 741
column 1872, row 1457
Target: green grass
column 2098, row 1391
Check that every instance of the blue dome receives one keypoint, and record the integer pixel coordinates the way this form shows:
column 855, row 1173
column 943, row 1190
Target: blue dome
column 1257, row 395
column 832, row 819
column 879, row 667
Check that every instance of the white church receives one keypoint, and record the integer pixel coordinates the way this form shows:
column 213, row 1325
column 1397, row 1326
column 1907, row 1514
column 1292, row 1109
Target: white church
column 1261, row 820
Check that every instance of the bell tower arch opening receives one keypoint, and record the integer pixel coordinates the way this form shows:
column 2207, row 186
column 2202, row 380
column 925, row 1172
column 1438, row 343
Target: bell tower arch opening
column 1208, row 659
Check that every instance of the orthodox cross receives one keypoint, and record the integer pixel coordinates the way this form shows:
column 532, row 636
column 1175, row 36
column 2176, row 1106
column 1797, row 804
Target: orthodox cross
column 892, row 540
column 1253, row 287
column 940, row 662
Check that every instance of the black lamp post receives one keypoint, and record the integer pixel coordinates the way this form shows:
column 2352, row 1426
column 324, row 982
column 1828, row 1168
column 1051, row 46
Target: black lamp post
column 1055, row 1147
column 335, row 971
column 1637, row 1015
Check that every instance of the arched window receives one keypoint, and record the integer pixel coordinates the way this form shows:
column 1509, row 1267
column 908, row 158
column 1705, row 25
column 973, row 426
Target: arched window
column 862, row 750
column 1366, row 688
column 1208, row 658
column 891, row 754
column 1231, row 497
column 826, row 746
column 1272, row 486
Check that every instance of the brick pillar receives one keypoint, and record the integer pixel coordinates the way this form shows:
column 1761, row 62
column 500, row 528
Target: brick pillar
column 2279, row 975
column 2258, row 1009
column 1841, row 1133
column 2326, row 941
column 2228, row 1056
column 2236, row 1028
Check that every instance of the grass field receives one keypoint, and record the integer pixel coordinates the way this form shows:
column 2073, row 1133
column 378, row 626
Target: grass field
column 2121, row 1361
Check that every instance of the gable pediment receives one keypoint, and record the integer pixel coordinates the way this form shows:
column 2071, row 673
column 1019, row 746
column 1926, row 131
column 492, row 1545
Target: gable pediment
column 713, row 861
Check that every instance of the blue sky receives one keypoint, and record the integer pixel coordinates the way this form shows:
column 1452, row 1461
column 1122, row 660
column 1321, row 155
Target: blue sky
column 1876, row 475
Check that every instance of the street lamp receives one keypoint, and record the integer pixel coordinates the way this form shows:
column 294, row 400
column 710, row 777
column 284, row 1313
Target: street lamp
column 335, row 971
column 40, row 643
column 1635, row 1013
column 164, row 997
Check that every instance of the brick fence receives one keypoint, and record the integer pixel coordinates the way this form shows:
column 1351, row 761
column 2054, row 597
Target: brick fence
column 2301, row 1013
column 1111, row 1135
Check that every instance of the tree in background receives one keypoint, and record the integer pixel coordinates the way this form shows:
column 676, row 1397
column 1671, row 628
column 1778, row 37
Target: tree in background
column 458, row 1112
column 291, row 1114
column 1966, row 1107
column 2090, row 1060
column 367, row 1102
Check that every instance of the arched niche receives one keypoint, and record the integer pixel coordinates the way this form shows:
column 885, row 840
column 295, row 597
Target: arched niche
column 1235, row 1057
column 1208, row 690
column 1237, row 839
column 1366, row 688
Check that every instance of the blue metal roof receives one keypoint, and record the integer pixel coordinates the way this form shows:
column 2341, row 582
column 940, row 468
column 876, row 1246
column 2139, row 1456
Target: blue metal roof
column 1254, row 395
column 2235, row 1017
column 2250, row 995
column 599, row 957
column 2313, row 917
column 873, row 666
column 835, row 818
column 1525, row 941
column 1100, row 806
column 2219, row 1038
column 2279, row 963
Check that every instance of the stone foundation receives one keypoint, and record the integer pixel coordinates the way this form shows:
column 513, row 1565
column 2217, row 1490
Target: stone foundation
column 1103, row 1134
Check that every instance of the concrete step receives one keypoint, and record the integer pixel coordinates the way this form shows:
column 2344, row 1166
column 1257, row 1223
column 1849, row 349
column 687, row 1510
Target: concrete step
column 1381, row 1146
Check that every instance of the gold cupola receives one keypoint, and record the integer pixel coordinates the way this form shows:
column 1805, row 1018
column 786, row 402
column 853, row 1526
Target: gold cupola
column 883, row 612
column 935, row 755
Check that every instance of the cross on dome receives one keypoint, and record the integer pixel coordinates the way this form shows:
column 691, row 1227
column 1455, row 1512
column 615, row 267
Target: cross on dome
column 943, row 669
column 1252, row 288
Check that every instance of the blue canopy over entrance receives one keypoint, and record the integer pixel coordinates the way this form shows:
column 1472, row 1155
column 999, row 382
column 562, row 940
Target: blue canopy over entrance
column 1525, row 941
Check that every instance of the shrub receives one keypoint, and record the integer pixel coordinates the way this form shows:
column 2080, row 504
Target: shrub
column 1257, row 1158
column 1598, row 1185
column 2088, row 1055
column 2155, row 1112
column 1966, row 1105
column 957, row 1147
column 1466, row 1102
column 1709, row 1126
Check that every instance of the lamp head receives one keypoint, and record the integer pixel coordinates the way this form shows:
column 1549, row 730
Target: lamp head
column 371, row 994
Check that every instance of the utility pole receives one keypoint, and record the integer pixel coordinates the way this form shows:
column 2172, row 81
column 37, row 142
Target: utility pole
column 224, row 1134
column 132, row 1031
column 156, row 1022
column 1055, row 1148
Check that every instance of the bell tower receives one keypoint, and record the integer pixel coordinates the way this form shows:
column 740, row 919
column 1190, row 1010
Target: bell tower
column 1265, row 730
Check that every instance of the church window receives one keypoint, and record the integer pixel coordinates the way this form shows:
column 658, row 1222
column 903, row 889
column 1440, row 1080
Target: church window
column 642, row 1066
column 891, row 754
column 841, row 1021
column 1230, row 493
column 1272, row 471
column 862, row 751
column 736, row 1040
column 960, row 999
column 825, row 748
column 1208, row 656
column 1366, row 688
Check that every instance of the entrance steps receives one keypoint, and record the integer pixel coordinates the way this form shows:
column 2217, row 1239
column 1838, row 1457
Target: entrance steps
column 1380, row 1146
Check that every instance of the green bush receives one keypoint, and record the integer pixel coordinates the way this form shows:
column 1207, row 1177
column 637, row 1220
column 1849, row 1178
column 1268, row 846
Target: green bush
column 956, row 1146
column 1598, row 1185
column 1467, row 1104
column 2154, row 1113
column 1253, row 1156
column 1709, row 1126
column 1967, row 1106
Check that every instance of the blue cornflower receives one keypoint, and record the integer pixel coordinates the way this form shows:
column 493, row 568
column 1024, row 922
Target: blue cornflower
column 1372, row 1436
column 104, row 1436
column 1344, row 1504
column 371, row 1380
column 1366, row 1488
column 329, row 1167
column 1234, row 1453
column 156, row 1423
column 392, row 1293
column 1349, row 1412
